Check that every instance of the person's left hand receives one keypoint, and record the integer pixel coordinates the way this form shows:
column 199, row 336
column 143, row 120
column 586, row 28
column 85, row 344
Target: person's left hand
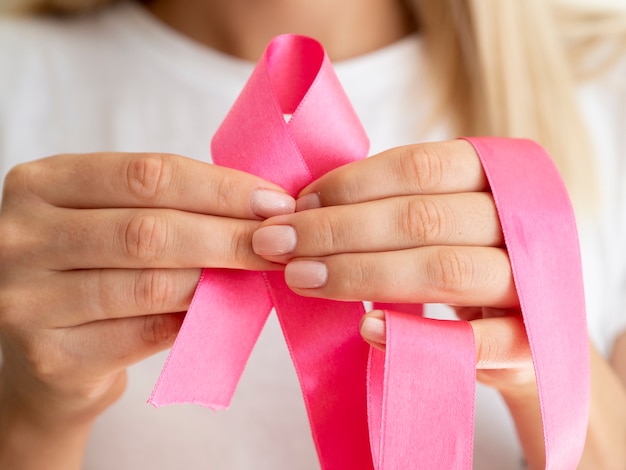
column 414, row 224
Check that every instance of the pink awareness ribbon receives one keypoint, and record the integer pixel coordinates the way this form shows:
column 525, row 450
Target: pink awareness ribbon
column 418, row 396
column 425, row 379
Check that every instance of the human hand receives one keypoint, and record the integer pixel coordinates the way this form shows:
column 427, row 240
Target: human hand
column 415, row 224
column 100, row 256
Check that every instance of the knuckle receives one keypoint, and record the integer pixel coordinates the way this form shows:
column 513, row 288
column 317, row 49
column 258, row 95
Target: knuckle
column 148, row 176
column 12, row 241
column 325, row 236
column 157, row 329
column 21, row 327
column 153, row 290
column 225, row 189
column 358, row 280
column 11, row 310
column 18, row 179
column 345, row 189
column 422, row 167
column 47, row 361
column 451, row 271
column 425, row 221
column 145, row 236
column 240, row 248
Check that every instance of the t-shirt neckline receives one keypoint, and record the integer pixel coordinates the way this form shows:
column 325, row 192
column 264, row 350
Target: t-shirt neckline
column 181, row 55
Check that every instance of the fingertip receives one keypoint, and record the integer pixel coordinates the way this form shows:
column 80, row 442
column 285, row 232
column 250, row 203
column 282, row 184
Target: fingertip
column 373, row 328
column 306, row 274
column 268, row 203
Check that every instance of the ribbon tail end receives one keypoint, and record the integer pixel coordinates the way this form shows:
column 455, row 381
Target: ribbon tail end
column 160, row 403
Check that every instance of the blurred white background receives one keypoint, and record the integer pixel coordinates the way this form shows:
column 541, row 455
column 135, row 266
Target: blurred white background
column 619, row 4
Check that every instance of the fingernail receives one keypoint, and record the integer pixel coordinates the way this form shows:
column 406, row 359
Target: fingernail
column 310, row 201
column 267, row 203
column 373, row 329
column 274, row 240
column 306, row 274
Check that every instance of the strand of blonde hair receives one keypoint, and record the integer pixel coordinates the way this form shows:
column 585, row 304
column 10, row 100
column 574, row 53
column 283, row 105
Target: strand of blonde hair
column 503, row 68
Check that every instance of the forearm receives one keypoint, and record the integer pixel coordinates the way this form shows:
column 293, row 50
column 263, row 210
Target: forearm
column 605, row 446
column 523, row 405
column 24, row 446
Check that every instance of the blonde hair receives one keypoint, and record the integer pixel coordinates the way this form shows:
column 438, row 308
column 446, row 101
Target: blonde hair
column 51, row 6
column 509, row 68
column 504, row 68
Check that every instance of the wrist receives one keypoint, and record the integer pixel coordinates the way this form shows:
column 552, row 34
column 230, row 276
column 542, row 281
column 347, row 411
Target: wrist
column 38, row 431
column 26, row 443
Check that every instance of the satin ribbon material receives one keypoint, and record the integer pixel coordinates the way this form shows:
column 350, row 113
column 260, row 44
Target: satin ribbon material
column 541, row 238
column 229, row 308
column 419, row 395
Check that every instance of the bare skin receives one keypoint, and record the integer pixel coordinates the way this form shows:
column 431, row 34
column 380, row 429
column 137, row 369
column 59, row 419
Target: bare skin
column 76, row 309
column 100, row 257
column 243, row 28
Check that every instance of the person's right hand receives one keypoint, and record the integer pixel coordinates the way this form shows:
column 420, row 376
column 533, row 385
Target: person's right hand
column 99, row 256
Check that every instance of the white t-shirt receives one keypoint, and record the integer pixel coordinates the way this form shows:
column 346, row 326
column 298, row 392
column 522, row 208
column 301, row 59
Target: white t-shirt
column 118, row 80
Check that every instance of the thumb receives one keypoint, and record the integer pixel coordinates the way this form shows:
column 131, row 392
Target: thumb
column 372, row 329
column 501, row 343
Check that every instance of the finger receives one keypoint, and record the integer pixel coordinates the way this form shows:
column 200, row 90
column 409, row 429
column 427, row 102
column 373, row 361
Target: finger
column 452, row 275
column 372, row 329
column 384, row 225
column 87, row 296
column 143, row 238
column 111, row 345
column 148, row 180
column 434, row 168
column 501, row 343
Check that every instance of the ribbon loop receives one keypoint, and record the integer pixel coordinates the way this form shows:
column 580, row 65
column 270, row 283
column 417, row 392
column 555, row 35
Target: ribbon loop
column 323, row 133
